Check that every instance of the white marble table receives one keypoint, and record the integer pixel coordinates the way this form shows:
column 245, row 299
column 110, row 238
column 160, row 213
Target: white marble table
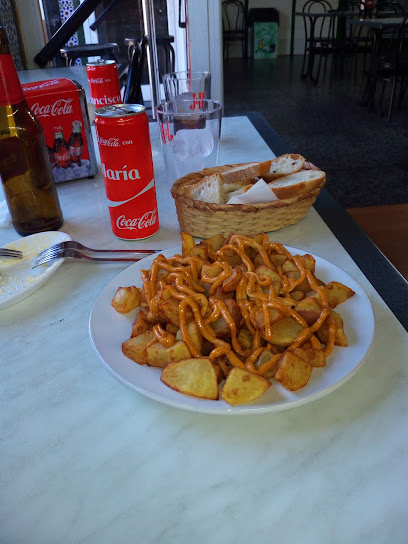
column 85, row 459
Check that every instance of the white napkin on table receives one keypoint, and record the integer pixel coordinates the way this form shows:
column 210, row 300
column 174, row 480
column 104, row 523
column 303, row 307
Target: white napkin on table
column 258, row 193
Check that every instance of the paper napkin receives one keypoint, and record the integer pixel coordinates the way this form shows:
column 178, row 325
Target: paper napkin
column 258, row 193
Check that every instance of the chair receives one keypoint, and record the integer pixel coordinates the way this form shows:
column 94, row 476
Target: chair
column 234, row 26
column 353, row 40
column 108, row 51
column 388, row 9
column 392, row 65
column 319, row 23
column 133, row 88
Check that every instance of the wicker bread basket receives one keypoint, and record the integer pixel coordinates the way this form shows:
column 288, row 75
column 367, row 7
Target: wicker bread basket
column 204, row 219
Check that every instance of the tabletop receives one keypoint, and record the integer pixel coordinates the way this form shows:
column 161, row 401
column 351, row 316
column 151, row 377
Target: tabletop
column 85, row 459
column 378, row 23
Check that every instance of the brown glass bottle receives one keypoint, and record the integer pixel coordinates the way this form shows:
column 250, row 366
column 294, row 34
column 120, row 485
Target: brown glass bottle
column 25, row 169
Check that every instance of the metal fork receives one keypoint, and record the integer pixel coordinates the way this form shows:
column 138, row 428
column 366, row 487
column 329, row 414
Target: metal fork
column 71, row 249
column 13, row 253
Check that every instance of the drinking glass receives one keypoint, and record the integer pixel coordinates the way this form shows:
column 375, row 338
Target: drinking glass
column 190, row 135
column 187, row 85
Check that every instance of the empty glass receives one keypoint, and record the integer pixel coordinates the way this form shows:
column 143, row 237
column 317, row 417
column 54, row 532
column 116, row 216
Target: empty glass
column 187, row 85
column 190, row 135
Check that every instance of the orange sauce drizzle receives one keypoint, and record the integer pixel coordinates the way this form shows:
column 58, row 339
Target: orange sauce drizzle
column 253, row 293
column 166, row 339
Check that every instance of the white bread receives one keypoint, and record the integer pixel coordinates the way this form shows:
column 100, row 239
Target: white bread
column 239, row 191
column 245, row 172
column 294, row 184
column 237, row 185
column 283, row 165
column 209, row 189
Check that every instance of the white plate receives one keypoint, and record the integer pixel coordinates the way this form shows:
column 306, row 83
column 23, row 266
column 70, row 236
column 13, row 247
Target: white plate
column 108, row 329
column 17, row 279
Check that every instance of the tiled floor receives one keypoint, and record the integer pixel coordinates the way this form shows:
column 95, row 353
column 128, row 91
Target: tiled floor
column 364, row 156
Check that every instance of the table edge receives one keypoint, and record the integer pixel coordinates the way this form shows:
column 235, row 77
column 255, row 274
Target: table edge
column 380, row 272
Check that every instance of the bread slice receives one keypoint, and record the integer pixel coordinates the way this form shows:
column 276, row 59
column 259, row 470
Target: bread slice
column 209, row 189
column 295, row 184
column 283, row 165
column 237, row 185
column 239, row 191
column 246, row 171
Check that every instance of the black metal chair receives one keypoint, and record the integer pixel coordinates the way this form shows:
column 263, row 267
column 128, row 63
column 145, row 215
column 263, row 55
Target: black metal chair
column 108, row 51
column 392, row 67
column 319, row 20
column 133, row 88
column 353, row 40
column 234, row 26
column 388, row 8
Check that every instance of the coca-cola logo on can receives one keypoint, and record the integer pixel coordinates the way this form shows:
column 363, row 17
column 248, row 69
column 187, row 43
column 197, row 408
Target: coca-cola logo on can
column 147, row 220
column 59, row 107
column 108, row 142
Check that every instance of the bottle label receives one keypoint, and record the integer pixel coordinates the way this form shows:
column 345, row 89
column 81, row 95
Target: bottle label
column 13, row 161
column 10, row 86
column 75, row 151
column 63, row 156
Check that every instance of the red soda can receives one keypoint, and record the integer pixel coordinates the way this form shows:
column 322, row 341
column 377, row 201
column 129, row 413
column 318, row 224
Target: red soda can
column 127, row 166
column 103, row 80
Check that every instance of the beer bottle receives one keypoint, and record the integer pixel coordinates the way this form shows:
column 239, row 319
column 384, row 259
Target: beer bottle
column 25, row 169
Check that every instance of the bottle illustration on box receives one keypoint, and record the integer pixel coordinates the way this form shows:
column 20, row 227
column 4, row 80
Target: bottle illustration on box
column 76, row 144
column 62, row 154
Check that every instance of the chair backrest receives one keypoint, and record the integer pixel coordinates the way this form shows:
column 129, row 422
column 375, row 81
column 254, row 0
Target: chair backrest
column 393, row 45
column 402, row 52
column 133, row 90
column 354, row 8
column 233, row 16
column 388, row 9
column 324, row 26
column 317, row 6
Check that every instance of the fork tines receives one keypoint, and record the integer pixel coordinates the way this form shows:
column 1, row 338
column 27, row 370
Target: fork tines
column 6, row 252
column 49, row 254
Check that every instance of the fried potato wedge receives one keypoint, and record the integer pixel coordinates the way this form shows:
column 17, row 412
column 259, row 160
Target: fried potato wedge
column 337, row 293
column 310, row 309
column 220, row 326
column 284, row 332
column 194, row 333
column 315, row 357
column 293, row 372
column 136, row 348
column 340, row 338
column 187, row 243
column 243, row 386
column 159, row 355
column 195, row 377
column 126, row 299
column 215, row 242
column 140, row 324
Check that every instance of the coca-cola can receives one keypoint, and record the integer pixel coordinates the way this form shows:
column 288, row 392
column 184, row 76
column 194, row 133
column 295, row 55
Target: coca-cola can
column 127, row 166
column 103, row 81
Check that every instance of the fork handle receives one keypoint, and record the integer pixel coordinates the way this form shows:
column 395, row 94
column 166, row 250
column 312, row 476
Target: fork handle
column 144, row 251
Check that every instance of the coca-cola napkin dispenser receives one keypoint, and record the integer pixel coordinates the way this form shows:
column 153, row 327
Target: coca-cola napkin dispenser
column 60, row 106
